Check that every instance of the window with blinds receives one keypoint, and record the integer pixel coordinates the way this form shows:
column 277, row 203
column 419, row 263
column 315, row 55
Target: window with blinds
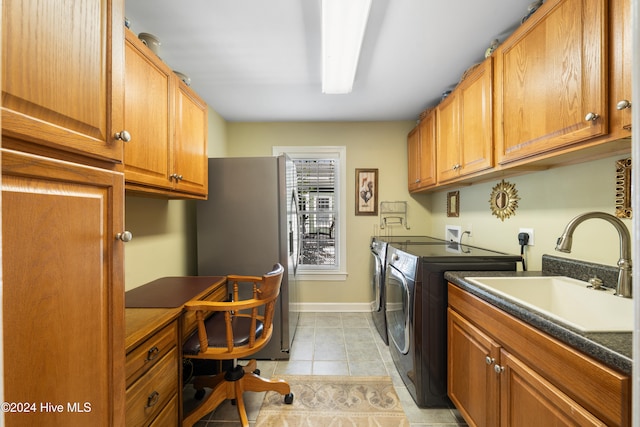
column 318, row 210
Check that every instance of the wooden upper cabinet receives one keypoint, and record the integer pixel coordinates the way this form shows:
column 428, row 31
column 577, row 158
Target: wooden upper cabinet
column 551, row 79
column 148, row 107
column 465, row 126
column 421, row 149
column 448, row 138
column 62, row 76
column 190, row 163
column 413, row 158
column 167, row 154
column 620, row 60
column 63, row 291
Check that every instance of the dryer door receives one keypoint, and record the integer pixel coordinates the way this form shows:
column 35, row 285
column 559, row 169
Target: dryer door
column 398, row 307
column 376, row 282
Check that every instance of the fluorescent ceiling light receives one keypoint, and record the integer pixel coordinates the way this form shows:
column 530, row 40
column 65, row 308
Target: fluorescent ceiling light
column 343, row 26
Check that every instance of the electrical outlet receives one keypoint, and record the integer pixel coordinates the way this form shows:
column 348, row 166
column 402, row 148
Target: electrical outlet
column 529, row 231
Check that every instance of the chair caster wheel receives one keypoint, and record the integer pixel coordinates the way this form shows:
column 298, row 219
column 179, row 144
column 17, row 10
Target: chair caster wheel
column 288, row 398
column 200, row 394
column 257, row 372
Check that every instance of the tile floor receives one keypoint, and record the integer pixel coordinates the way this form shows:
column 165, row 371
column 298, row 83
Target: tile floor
column 333, row 344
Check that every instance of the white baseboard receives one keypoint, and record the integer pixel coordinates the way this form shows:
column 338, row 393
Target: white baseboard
column 325, row 307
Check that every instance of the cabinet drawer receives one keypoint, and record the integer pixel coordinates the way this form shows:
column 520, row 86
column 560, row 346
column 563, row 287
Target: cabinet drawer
column 189, row 317
column 147, row 397
column 147, row 354
column 169, row 415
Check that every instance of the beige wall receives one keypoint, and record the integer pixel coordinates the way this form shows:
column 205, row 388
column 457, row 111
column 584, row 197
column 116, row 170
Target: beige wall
column 379, row 145
column 164, row 231
column 548, row 201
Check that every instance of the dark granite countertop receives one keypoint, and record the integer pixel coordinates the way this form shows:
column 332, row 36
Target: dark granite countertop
column 614, row 349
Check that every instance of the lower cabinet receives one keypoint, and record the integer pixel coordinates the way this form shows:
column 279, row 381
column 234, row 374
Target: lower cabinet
column 527, row 399
column 472, row 385
column 502, row 372
column 63, row 292
column 152, row 380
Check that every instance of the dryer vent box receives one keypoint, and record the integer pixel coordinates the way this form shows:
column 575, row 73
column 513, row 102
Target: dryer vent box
column 452, row 233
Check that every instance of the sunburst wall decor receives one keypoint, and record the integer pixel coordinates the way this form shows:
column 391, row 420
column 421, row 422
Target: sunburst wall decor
column 504, row 200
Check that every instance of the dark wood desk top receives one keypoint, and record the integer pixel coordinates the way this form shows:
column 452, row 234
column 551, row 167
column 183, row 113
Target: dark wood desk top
column 152, row 306
column 171, row 292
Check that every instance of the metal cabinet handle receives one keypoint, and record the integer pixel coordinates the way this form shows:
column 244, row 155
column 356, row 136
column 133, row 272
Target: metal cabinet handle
column 123, row 136
column 489, row 360
column 592, row 117
column 153, row 353
column 623, row 104
column 176, row 177
column 499, row 369
column 125, row 236
column 456, row 166
column 153, row 399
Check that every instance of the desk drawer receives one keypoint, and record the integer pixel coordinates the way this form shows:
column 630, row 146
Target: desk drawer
column 148, row 396
column 169, row 415
column 189, row 317
column 147, row 354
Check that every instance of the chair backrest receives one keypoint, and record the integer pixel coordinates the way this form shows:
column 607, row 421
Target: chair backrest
column 237, row 328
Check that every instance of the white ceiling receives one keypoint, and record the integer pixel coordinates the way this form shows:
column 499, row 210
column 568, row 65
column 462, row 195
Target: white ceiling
column 259, row 60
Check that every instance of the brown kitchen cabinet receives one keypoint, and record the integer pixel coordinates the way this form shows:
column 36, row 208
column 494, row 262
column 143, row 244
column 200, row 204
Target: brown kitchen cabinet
column 471, row 383
column 465, row 127
column 504, row 372
column 167, row 154
column 63, row 212
column 551, row 81
column 62, row 77
column 63, row 291
column 620, row 68
column 421, row 149
column 190, row 163
column 153, row 376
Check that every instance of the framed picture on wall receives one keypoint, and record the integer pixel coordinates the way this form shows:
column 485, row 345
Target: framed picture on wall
column 366, row 191
column 453, row 204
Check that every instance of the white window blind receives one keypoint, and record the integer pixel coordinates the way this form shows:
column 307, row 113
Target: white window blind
column 317, row 207
column 321, row 180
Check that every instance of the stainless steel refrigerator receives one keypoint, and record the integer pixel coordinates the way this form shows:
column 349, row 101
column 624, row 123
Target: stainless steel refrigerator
column 249, row 223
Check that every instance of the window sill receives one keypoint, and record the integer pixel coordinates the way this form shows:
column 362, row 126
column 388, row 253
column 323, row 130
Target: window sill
column 335, row 276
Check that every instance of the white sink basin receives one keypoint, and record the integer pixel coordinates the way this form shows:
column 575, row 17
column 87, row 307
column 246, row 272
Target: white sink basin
column 567, row 300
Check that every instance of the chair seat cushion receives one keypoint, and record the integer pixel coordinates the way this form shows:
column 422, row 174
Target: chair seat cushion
column 217, row 336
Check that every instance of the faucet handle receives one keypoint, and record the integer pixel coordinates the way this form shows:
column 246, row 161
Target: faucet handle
column 595, row 282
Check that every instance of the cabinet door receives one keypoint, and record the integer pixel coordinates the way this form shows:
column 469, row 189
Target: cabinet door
column 448, row 139
column 147, row 116
column 476, row 120
column 190, row 146
column 621, row 58
column 527, row 399
column 63, row 293
column 62, row 75
column 550, row 74
column 421, row 153
column 413, row 158
column 472, row 382
column 427, row 165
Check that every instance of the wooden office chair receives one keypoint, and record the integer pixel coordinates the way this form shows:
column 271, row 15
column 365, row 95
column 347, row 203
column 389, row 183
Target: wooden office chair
column 235, row 330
